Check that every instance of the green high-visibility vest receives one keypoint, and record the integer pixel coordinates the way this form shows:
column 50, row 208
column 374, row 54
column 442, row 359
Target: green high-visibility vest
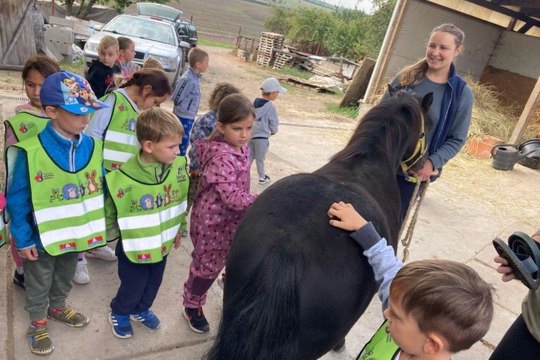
column 120, row 140
column 149, row 215
column 380, row 347
column 26, row 124
column 69, row 208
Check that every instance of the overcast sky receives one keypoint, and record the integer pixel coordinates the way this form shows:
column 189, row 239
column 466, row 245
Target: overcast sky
column 360, row 4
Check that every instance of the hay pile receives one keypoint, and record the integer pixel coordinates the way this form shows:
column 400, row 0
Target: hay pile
column 494, row 117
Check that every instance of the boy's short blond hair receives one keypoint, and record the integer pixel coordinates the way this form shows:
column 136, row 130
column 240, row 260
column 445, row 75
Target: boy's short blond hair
column 108, row 41
column 447, row 298
column 152, row 63
column 156, row 124
column 196, row 55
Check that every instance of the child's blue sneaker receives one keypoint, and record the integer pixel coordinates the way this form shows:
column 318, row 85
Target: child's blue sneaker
column 147, row 318
column 121, row 325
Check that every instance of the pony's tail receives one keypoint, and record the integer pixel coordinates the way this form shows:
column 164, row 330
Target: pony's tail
column 262, row 320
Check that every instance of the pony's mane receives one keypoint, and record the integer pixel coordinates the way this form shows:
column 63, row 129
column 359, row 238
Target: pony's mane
column 394, row 113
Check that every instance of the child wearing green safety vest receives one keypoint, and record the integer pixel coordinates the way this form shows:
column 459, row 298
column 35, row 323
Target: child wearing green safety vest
column 28, row 121
column 433, row 308
column 116, row 126
column 146, row 206
column 56, row 203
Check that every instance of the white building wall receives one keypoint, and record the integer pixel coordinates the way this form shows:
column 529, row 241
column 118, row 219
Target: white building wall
column 517, row 53
column 419, row 20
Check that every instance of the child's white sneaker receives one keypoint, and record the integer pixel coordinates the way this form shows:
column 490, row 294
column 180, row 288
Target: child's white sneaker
column 81, row 274
column 103, row 253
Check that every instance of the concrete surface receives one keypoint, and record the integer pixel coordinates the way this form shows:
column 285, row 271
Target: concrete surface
column 451, row 225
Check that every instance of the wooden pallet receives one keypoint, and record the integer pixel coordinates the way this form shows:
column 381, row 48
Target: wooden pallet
column 282, row 59
column 272, row 35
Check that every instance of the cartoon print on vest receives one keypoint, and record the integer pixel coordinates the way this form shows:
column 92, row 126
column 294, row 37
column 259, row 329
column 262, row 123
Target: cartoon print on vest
column 23, row 129
column 167, row 189
column 180, row 175
column 369, row 355
column 81, row 188
column 70, row 191
column 134, row 205
column 56, row 195
column 159, row 200
column 132, row 125
column 121, row 107
column 175, row 195
column 39, row 176
column 120, row 193
column 147, row 202
column 91, row 183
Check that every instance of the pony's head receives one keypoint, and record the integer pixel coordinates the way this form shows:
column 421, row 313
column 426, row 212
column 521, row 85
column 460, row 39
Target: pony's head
column 419, row 155
column 395, row 128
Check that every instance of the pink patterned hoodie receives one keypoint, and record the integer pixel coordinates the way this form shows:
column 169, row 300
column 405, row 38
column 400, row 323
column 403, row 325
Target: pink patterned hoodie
column 223, row 197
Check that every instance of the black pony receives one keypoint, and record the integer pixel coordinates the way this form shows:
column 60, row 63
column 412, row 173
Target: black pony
column 296, row 285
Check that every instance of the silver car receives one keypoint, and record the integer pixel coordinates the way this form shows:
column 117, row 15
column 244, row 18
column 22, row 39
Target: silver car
column 152, row 36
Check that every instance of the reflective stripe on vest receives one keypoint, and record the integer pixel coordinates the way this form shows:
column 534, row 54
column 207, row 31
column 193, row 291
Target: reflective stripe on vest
column 149, row 215
column 120, row 141
column 68, row 207
column 26, row 124
column 380, row 347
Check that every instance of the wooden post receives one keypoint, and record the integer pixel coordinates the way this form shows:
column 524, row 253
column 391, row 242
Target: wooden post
column 526, row 115
column 358, row 86
column 386, row 49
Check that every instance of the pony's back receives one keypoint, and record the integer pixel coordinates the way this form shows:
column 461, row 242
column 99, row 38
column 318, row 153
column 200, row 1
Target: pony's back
column 288, row 272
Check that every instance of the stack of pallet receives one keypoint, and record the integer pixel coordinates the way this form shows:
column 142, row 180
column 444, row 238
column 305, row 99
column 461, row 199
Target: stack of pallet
column 268, row 45
column 283, row 58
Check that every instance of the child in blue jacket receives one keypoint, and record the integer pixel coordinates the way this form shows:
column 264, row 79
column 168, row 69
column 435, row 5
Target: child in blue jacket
column 56, row 203
column 187, row 94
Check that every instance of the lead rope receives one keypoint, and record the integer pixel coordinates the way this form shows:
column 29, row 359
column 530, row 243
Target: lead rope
column 406, row 241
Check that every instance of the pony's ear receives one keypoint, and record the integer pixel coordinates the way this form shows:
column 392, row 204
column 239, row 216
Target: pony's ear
column 391, row 90
column 427, row 100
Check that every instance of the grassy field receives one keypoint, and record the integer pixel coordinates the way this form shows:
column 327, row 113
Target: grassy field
column 226, row 17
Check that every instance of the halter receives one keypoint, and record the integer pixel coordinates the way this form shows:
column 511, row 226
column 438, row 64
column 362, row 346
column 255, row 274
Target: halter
column 419, row 150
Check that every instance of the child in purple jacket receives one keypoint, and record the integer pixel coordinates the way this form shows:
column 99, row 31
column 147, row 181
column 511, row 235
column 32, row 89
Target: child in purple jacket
column 221, row 202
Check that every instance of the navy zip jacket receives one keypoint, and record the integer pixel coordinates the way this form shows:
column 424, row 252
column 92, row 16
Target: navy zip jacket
column 452, row 124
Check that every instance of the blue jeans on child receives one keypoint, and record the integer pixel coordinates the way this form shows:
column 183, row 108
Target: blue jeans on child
column 187, row 124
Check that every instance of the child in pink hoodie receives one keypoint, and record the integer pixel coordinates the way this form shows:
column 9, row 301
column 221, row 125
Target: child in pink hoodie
column 221, row 202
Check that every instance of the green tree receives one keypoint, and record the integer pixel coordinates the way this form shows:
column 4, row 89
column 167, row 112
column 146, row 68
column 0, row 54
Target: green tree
column 352, row 34
column 347, row 35
column 375, row 28
column 279, row 21
column 310, row 28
